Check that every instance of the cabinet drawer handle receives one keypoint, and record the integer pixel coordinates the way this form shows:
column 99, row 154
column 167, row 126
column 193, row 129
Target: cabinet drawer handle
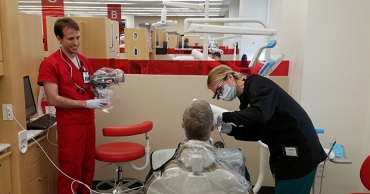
column 42, row 178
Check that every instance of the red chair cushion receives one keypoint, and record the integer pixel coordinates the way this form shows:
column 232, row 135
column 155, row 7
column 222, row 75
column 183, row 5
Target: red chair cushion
column 129, row 129
column 119, row 152
column 365, row 173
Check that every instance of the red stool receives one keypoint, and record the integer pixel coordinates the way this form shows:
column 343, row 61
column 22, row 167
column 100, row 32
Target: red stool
column 365, row 175
column 124, row 152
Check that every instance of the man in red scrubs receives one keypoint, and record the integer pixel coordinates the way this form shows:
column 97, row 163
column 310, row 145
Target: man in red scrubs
column 65, row 76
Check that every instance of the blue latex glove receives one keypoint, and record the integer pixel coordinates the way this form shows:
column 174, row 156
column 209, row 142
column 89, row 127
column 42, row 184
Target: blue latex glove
column 96, row 103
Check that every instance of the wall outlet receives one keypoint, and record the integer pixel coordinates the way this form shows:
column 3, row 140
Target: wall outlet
column 22, row 141
column 7, row 112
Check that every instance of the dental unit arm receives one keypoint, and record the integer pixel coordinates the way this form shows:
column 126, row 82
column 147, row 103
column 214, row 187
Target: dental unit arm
column 169, row 3
column 258, row 53
column 271, row 65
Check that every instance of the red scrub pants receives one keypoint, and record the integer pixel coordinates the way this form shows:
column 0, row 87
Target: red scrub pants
column 76, row 155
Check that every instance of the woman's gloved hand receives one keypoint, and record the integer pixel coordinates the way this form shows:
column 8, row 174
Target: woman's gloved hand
column 225, row 128
column 217, row 120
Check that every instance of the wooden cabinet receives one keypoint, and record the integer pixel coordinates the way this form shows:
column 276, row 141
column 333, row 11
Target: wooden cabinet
column 99, row 37
column 37, row 166
column 1, row 54
column 40, row 175
column 137, row 43
column 5, row 174
column 173, row 41
column 21, row 51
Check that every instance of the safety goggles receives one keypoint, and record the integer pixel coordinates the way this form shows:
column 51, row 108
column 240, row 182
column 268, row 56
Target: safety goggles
column 219, row 89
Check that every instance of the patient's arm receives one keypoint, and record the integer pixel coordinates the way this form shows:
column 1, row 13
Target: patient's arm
column 245, row 134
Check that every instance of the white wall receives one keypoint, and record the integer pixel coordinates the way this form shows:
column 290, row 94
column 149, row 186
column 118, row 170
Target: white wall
column 336, row 82
column 130, row 20
column 252, row 9
column 232, row 13
column 289, row 18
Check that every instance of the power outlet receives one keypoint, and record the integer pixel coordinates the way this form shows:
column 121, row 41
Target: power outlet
column 22, row 141
column 7, row 112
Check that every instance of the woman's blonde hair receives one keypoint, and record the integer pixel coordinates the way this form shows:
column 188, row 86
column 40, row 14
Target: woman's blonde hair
column 219, row 73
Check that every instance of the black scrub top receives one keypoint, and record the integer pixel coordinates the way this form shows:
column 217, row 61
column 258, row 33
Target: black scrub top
column 269, row 114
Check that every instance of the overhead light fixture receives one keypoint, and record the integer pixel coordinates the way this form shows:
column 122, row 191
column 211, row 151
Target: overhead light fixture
column 184, row 5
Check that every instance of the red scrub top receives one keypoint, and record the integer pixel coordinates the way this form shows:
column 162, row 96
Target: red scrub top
column 57, row 70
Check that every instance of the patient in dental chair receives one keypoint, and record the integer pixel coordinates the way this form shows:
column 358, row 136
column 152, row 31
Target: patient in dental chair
column 197, row 166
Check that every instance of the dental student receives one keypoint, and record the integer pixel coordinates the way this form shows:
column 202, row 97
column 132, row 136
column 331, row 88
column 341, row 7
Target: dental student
column 269, row 114
column 65, row 75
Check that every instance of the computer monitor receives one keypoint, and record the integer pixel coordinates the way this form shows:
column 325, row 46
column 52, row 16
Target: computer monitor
column 29, row 100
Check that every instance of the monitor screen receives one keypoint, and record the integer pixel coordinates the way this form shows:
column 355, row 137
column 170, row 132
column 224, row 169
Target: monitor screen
column 30, row 105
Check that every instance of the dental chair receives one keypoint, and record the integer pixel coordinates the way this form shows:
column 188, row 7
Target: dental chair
column 124, row 152
column 196, row 167
column 365, row 175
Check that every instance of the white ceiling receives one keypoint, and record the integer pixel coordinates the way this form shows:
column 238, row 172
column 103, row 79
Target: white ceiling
column 128, row 7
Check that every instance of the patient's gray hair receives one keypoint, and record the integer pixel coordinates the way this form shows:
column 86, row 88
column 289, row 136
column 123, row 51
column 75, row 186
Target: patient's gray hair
column 198, row 120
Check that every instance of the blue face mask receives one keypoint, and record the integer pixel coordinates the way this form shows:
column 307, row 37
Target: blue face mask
column 229, row 93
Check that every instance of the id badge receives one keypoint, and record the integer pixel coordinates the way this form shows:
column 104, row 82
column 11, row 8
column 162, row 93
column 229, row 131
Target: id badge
column 291, row 151
column 86, row 77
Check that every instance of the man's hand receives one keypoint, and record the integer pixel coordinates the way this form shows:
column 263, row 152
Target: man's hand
column 96, row 103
